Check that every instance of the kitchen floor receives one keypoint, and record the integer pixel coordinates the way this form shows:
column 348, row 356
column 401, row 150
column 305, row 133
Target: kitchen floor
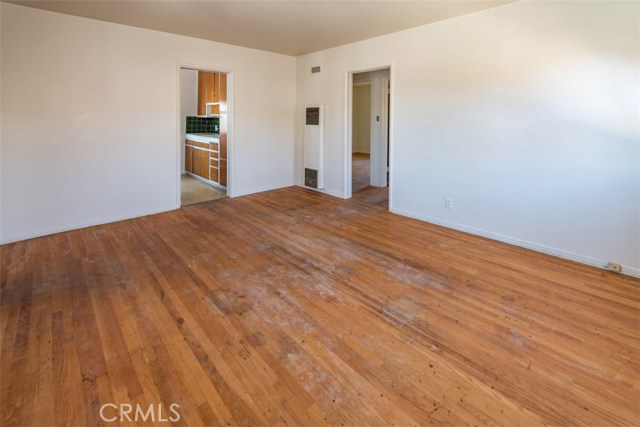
column 196, row 191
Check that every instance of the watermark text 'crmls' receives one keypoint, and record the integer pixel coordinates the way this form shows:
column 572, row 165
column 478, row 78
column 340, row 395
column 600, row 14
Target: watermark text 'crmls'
column 110, row 412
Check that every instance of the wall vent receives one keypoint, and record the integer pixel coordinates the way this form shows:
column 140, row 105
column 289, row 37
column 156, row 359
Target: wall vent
column 311, row 177
column 313, row 116
column 314, row 147
column 315, row 69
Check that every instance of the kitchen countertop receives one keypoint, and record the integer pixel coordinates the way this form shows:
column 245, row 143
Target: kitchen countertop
column 203, row 137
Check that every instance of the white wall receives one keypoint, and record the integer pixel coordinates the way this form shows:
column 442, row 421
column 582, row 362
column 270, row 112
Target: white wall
column 188, row 103
column 525, row 115
column 90, row 126
column 361, row 142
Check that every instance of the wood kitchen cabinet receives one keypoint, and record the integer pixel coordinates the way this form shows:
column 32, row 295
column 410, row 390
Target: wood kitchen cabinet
column 201, row 163
column 223, row 172
column 202, row 93
column 203, row 159
column 196, row 159
column 221, row 94
column 188, row 157
column 212, row 87
column 223, row 145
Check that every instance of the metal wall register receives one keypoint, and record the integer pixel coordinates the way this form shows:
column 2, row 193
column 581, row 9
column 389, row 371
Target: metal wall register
column 311, row 177
column 314, row 147
column 313, row 116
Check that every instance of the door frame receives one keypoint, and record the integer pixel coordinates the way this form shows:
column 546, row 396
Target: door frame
column 230, row 126
column 348, row 143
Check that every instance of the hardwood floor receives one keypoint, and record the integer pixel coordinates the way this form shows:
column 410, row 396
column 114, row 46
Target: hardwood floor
column 360, row 168
column 295, row 308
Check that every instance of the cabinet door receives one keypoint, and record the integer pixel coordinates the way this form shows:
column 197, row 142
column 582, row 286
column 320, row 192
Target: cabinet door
column 201, row 163
column 207, row 91
column 215, row 93
column 212, row 87
column 202, row 93
column 221, row 92
column 188, row 158
column 223, row 145
column 223, row 173
column 222, row 88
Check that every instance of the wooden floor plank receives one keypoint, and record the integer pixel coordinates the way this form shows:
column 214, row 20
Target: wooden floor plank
column 291, row 307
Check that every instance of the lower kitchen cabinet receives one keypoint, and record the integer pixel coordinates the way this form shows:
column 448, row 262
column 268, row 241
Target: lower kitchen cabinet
column 207, row 160
column 201, row 163
column 223, row 146
column 188, row 158
column 223, row 172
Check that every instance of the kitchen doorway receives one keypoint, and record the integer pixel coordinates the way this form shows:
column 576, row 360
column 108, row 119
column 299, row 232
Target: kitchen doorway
column 369, row 113
column 204, row 136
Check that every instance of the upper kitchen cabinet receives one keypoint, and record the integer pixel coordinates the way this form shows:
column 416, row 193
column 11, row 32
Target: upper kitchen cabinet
column 222, row 92
column 212, row 87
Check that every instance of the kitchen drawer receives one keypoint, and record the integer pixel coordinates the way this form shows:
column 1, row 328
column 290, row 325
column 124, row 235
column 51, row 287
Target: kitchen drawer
column 213, row 174
column 199, row 144
column 215, row 146
column 214, row 163
column 188, row 142
column 214, row 155
column 188, row 158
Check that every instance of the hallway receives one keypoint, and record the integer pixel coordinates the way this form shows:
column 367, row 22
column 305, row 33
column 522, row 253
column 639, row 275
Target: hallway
column 361, row 167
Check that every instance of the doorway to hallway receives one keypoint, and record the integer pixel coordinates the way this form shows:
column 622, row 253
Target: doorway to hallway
column 369, row 117
column 361, row 136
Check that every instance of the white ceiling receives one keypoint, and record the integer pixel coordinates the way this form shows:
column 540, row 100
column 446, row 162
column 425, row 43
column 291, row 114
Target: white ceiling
column 289, row 27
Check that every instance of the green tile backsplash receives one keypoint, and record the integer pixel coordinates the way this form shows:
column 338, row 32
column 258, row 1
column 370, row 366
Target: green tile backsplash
column 203, row 124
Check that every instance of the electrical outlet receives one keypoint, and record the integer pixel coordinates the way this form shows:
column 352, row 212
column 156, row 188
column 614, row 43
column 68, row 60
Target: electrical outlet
column 448, row 203
column 616, row 268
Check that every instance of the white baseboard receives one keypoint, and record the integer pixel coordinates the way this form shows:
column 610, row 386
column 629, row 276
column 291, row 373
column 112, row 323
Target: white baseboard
column 549, row 250
column 55, row 230
column 333, row 193
column 262, row 189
